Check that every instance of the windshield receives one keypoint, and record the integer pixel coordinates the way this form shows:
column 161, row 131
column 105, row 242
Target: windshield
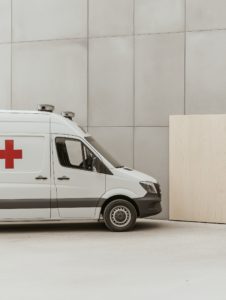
column 103, row 152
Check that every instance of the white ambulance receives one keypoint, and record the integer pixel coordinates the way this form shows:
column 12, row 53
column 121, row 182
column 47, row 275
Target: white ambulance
column 52, row 169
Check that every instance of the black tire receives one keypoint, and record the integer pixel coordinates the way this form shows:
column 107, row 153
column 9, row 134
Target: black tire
column 120, row 215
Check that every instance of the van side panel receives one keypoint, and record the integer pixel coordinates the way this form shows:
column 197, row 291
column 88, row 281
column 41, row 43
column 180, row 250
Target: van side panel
column 24, row 166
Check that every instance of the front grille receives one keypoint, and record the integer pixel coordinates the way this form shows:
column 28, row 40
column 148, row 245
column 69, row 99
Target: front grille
column 158, row 189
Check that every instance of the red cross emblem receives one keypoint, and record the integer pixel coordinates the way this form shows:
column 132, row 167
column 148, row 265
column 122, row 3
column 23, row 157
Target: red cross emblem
column 9, row 154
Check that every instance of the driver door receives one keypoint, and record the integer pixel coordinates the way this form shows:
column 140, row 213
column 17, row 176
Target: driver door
column 79, row 186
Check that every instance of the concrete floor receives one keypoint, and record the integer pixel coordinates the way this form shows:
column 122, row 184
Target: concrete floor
column 83, row 260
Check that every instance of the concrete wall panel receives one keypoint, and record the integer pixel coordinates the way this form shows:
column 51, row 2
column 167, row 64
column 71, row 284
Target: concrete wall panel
column 49, row 19
column 51, row 72
column 206, row 72
column 159, row 78
column 111, row 81
column 158, row 16
column 117, row 140
column 110, row 17
column 5, row 21
column 151, row 156
column 205, row 14
column 5, row 76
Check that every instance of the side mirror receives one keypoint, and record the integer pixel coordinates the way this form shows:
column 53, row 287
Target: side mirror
column 96, row 164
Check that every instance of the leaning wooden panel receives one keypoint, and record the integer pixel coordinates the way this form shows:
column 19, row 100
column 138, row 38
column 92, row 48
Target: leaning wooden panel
column 198, row 168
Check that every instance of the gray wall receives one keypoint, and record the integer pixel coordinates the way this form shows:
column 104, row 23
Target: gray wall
column 119, row 65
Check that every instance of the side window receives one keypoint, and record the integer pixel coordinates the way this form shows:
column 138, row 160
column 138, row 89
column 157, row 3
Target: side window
column 74, row 154
column 74, row 150
column 89, row 159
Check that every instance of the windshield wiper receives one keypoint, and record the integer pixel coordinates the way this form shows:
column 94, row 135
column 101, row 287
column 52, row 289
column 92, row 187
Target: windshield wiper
column 120, row 167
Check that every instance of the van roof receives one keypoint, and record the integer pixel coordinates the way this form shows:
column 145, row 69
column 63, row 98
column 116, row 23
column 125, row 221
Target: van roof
column 24, row 112
column 59, row 124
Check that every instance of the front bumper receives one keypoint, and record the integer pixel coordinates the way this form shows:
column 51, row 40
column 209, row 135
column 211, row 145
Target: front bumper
column 150, row 204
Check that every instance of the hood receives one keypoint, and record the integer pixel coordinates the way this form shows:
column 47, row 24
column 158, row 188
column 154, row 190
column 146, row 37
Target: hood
column 133, row 174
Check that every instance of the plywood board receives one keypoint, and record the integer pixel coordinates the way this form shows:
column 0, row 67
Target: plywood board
column 197, row 176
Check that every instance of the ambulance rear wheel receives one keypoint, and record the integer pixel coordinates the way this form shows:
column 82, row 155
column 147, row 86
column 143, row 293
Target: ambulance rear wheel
column 120, row 215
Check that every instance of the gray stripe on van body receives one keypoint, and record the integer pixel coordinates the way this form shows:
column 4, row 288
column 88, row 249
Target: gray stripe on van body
column 45, row 203
column 24, row 203
column 54, row 203
column 143, row 203
column 77, row 202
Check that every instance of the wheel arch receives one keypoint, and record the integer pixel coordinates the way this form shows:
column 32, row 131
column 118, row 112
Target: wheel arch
column 115, row 197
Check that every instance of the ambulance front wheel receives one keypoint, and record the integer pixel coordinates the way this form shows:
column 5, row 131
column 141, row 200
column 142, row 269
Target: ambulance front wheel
column 120, row 215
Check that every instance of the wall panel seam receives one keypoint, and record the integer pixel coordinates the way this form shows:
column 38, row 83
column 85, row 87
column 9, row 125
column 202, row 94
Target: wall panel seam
column 11, row 66
column 49, row 40
column 204, row 30
column 184, row 57
column 128, row 126
column 108, row 36
column 153, row 33
column 133, row 79
column 87, row 101
column 102, row 37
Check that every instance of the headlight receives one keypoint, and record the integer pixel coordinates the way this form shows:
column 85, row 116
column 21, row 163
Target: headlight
column 149, row 187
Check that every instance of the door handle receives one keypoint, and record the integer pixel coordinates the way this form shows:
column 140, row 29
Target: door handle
column 41, row 177
column 63, row 178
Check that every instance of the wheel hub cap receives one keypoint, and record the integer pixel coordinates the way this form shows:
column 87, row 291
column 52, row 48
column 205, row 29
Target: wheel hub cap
column 120, row 216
